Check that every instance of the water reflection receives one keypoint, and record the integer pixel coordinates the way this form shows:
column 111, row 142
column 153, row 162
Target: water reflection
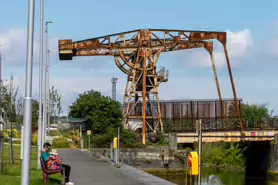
column 227, row 177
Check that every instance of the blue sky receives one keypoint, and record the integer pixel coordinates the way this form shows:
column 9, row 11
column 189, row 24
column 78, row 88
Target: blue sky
column 252, row 43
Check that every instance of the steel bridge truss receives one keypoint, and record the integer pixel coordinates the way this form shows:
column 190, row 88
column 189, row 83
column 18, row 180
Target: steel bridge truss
column 136, row 53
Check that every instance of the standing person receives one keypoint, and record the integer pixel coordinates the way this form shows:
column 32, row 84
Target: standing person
column 55, row 163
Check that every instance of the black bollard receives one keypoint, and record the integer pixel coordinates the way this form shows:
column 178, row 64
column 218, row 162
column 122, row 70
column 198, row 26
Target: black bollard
column 257, row 162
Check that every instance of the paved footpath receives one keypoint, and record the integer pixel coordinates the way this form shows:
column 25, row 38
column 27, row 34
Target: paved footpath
column 86, row 170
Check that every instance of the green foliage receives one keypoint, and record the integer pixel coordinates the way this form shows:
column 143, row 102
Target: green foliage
column 35, row 139
column 55, row 99
column 255, row 112
column 8, row 100
column 75, row 137
column 251, row 113
column 162, row 139
column 19, row 111
column 228, row 155
column 60, row 143
column 35, row 111
column 98, row 112
column 11, row 173
column 127, row 139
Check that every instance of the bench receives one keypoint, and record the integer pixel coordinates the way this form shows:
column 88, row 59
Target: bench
column 47, row 172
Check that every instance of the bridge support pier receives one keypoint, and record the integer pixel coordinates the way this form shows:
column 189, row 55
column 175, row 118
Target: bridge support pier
column 257, row 163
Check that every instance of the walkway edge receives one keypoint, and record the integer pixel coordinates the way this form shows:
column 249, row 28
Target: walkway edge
column 133, row 172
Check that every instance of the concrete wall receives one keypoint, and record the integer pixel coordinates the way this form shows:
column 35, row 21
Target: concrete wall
column 145, row 158
column 273, row 163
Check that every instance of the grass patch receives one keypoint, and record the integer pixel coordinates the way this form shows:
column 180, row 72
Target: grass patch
column 12, row 173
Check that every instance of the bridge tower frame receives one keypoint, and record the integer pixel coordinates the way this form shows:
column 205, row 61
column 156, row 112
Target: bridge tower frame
column 136, row 54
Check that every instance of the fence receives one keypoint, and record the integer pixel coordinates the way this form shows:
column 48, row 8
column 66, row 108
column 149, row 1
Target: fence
column 181, row 115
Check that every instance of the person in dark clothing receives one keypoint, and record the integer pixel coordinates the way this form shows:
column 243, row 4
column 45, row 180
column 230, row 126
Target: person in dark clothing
column 46, row 157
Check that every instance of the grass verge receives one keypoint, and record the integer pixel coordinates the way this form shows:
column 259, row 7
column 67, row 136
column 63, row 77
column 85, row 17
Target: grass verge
column 11, row 174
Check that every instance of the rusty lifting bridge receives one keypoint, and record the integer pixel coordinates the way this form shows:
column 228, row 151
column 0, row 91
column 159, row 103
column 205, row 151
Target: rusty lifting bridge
column 136, row 53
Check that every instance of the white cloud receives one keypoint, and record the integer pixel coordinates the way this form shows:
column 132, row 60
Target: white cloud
column 239, row 45
column 13, row 44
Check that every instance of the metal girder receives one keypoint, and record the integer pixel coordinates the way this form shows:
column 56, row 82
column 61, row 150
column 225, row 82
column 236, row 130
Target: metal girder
column 136, row 53
column 129, row 42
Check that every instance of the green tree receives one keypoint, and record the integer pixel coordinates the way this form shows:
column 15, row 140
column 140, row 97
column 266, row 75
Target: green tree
column 255, row 112
column 9, row 96
column 55, row 99
column 35, row 111
column 97, row 111
column 252, row 113
column 19, row 111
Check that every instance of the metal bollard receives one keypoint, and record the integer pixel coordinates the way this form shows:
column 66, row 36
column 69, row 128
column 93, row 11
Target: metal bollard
column 111, row 151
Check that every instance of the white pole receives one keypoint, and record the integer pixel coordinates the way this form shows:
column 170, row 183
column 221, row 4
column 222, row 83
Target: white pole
column 46, row 85
column 81, row 138
column 22, row 136
column 48, row 95
column 40, row 120
column 200, row 151
column 27, row 118
column 44, row 99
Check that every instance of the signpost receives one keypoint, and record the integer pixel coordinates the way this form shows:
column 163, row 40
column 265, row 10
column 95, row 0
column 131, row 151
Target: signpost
column 199, row 123
column 89, row 133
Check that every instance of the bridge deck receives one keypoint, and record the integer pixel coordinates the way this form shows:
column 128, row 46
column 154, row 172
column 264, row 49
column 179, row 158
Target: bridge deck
column 86, row 170
column 227, row 136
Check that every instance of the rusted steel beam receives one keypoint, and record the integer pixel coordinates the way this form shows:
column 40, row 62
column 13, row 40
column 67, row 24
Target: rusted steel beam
column 136, row 54
column 167, row 40
column 234, row 89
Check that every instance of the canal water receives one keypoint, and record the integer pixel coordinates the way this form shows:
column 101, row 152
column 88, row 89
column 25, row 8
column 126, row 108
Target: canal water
column 227, row 177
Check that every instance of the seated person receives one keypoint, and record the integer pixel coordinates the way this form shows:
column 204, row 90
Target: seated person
column 52, row 162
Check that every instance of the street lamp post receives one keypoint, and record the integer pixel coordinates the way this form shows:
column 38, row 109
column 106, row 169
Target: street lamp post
column 46, row 81
column 27, row 119
column 40, row 120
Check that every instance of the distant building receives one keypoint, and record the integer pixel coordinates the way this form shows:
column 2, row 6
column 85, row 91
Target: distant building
column 70, row 123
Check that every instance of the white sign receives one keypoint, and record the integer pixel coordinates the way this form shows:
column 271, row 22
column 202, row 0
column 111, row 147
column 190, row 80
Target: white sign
column 89, row 132
column 270, row 134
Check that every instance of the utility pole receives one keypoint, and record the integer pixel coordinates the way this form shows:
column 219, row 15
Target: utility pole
column 27, row 118
column 118, row 159
column 1, row 119
column 114, row 82
column 11, row 118
column 46, row 76
column 200, row 150
column 40, row 120
column 48, row 93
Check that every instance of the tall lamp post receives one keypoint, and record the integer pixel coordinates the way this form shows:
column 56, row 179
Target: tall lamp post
column 40, row 119
column 46, row 81
column 27, row 119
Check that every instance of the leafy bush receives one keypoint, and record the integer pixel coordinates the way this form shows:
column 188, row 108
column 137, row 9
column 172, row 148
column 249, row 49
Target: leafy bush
column 60, row 143
column 17, row 142
column 15, row 133
column 35, row 138
column 54, row 133
column 228, row 155
column 127, row 139
column 75, row 137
